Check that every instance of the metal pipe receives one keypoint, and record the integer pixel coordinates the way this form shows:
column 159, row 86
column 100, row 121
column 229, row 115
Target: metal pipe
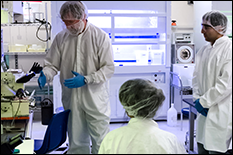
column 46, row 26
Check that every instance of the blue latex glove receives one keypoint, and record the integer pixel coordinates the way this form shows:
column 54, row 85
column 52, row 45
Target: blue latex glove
column 75, row 82
column 41, row 80
column 200, row 109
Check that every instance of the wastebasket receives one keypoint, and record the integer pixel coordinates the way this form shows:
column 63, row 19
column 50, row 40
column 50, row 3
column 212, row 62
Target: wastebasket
column 46, row 111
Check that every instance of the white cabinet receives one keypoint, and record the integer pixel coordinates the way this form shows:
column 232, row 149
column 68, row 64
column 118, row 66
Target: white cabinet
column 157, row 74
column 140, row 36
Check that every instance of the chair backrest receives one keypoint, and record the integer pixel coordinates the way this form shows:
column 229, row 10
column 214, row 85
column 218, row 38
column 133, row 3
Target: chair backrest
column 55, row 134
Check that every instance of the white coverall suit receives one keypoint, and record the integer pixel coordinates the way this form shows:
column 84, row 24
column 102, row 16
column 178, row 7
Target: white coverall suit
column 212, row 83
column 141, row 137
column 89, row 54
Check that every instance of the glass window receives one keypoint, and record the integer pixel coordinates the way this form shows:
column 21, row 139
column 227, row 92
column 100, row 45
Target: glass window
column 134, row 11
column 99, row 11
column 100, row 21
column 136, row 22
column 125, row 55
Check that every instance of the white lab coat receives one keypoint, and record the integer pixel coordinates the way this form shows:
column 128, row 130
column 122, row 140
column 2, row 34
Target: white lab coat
column 89, row 54
column 212, row 83
column 141, row 137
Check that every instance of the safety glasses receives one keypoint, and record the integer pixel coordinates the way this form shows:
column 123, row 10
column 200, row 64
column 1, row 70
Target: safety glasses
column 206, row 26
column 70, row 22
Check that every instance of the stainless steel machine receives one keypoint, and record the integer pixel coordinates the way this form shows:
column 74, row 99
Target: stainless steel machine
column 183, row 53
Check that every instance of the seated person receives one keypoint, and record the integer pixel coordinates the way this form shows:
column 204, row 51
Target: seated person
column 141, row 100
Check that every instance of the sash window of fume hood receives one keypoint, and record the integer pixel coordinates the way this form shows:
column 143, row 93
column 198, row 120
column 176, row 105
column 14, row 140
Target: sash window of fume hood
column 138, row 36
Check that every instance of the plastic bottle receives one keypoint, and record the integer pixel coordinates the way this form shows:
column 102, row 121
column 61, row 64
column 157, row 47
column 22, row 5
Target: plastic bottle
column 172, row 116
column 173, row 25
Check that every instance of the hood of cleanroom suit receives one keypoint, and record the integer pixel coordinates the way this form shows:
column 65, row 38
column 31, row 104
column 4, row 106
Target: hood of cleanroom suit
column 212, row 83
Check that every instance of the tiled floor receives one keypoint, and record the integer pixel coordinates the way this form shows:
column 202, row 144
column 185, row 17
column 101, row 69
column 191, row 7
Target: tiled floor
column 39, row 129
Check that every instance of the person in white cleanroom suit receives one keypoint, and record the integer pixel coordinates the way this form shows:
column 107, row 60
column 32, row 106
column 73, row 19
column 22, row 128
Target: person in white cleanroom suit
column 212, row 86
column 141, row 100
column 83, row 55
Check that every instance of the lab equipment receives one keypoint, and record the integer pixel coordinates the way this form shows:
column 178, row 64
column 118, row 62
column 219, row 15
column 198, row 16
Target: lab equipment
column 19, row 38
column 182, row 59
column 200, row 109
column 183, row 53
column 185, row 72
column 3, row 63
column 41, row 80
column 36, row 68
column 46, row 111
column 172, row 116
column 48, row 31
column 8, row 144
column 10, row 105
column 173, row 23
column 182, row 37
column 181, row 85
column 25, row 78
column 75, row 82
column 21, row 43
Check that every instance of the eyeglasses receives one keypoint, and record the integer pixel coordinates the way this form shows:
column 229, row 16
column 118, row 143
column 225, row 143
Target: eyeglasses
column 70, row 22
column 206, row 26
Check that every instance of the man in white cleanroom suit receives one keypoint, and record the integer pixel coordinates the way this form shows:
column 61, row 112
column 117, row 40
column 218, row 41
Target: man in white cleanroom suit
column 212, row 86
column 141, row 100
column 83, row 55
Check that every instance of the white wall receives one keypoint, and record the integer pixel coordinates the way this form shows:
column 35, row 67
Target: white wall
column 183, row 13
column 222, row 5
column 200, row 8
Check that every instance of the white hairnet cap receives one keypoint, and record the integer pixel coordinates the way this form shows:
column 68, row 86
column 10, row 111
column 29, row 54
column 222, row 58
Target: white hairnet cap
column 140, row 98
column 76, row 8
column 86, row 10
column 218, row 21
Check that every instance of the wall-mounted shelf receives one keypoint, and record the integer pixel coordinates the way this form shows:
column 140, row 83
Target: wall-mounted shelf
column 25, row 53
